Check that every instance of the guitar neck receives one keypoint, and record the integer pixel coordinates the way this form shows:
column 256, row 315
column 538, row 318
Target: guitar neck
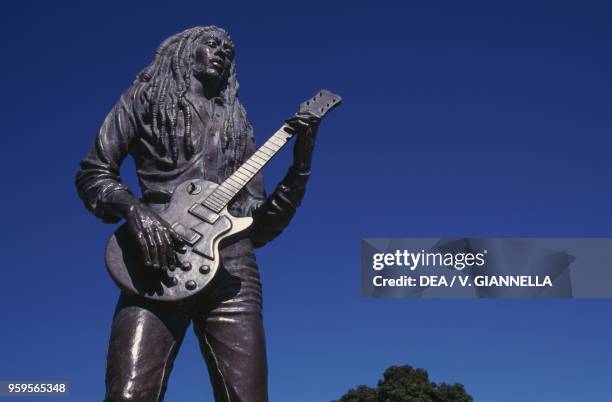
column 227, row 190
column 318, row 106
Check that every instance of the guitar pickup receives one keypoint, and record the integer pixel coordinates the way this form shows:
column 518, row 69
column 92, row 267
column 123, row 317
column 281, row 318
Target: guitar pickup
column 188, row 235
column 205, row 214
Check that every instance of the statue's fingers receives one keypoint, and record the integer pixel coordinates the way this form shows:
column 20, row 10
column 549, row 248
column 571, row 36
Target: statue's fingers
column 153, row 252
column 162, row 251
column 176, row 261
column 291, row 122
column 310, row 119
column 171, row 256
column 297, row 124
column 314, row 119
column 179, row 245
column 144, row 249
column 297, row 118
column 177, row 240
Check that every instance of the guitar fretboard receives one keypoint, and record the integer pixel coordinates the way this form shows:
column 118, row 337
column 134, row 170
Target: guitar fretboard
column 227, row 190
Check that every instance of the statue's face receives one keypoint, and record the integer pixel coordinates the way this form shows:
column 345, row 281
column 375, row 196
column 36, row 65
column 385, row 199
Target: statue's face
column 213, row 58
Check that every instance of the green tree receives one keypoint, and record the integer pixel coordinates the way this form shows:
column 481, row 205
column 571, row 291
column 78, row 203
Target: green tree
column 407, row 384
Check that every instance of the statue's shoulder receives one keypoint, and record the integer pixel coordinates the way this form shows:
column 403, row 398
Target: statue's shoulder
column 136, row 95
column 134, row 102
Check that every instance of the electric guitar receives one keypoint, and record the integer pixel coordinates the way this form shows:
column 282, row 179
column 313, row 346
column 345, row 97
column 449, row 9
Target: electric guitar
column 198, row 211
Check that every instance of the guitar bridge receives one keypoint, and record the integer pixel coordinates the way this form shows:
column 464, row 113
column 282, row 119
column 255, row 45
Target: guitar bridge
column 188, row 235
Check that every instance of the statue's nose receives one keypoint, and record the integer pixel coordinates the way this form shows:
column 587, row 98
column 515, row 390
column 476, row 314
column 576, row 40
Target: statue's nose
column 220, row 51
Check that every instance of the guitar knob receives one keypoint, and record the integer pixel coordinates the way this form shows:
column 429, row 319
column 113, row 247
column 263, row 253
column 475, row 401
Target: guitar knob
column 173, row 281
column 191, row 285
column 204, row 269
column 193, row 188
column 186, row 266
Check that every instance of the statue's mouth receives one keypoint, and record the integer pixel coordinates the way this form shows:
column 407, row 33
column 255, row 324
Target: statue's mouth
column 218, row 64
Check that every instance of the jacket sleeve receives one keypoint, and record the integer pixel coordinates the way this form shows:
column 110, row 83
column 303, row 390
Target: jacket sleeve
column 98, row 176
column 272, row 214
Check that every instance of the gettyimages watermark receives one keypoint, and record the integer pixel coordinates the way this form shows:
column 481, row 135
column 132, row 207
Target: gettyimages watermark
column 487, row 267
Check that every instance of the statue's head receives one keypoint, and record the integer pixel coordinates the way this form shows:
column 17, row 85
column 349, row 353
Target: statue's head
column 205, row 54
column 213, row 59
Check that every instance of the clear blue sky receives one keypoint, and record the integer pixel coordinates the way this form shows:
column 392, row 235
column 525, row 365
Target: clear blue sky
column 460, row 118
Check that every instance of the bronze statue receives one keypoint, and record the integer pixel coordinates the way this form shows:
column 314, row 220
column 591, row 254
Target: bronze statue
column 186, row 129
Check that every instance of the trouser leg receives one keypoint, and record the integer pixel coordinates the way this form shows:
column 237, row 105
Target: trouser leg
column 233, row 345
column 145, row 338
column 230, row 329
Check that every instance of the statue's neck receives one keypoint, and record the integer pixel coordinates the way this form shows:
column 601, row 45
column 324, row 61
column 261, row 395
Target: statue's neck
column 209, row 90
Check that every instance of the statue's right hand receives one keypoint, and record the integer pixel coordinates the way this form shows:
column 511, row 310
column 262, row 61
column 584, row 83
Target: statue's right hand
column 156, row 239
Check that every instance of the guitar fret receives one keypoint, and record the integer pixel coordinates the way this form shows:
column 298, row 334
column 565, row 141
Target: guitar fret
column 216, row 199
column 235, row 182
column 252, row 162
column 221, row 189
column 274, row 142
column 226, row 183
column 243, row 174
column 249, row 170
column 282, row 135
column 209, row 203
column 210, row 207
column 236, row 179
column 272, row 147
column 257, row 168
column 257, row 156
column 219, row 202
column 248, row 177
column 265, row 153
column 212, row 204
column 262, row 157
column 232, row 188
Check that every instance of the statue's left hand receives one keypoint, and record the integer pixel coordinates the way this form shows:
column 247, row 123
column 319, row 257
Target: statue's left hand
column 306, row 126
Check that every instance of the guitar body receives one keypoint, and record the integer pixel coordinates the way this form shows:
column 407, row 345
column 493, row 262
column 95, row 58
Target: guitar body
column 204, row 231
column 198, row 212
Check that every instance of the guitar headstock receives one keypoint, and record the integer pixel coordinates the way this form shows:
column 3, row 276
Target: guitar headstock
column 321, row 103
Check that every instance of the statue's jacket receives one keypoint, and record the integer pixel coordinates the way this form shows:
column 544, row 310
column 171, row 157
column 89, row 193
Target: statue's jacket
column 216, row 152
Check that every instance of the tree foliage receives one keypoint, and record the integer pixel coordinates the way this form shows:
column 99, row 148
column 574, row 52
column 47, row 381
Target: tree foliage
column 407, row 384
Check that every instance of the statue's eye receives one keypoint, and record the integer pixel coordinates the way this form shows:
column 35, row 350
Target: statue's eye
column 211, row 43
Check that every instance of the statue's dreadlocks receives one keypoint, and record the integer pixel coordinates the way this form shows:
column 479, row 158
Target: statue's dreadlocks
column 164, row 85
